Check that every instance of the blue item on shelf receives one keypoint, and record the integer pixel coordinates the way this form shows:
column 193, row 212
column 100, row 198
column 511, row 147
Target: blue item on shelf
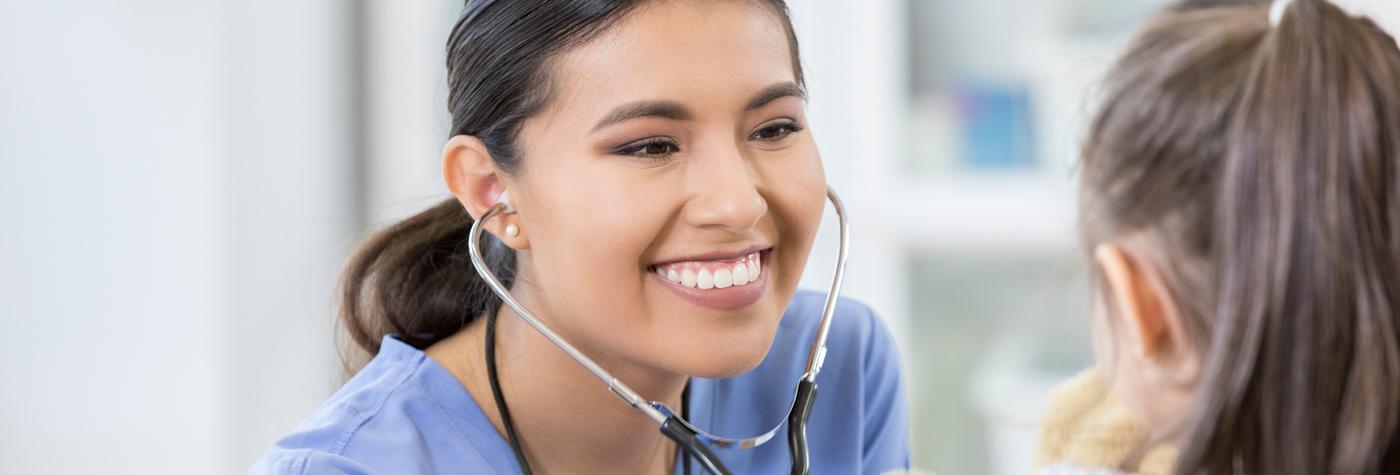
column 996, row 123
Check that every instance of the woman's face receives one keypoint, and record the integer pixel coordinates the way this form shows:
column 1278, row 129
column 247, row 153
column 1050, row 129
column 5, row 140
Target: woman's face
column 671, row 189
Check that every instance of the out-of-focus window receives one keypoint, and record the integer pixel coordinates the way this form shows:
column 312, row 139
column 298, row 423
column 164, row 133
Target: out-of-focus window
column 999, row 95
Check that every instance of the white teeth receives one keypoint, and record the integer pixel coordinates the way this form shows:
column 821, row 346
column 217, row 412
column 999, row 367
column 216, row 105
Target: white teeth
column 714, row 274
column 741, row 274
column 724, row 279
column 705, row 280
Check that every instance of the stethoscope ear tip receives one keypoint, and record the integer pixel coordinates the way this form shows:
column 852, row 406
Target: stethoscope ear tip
column 504, row 202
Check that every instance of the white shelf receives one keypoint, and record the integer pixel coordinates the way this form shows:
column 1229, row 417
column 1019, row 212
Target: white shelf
column 983, row 212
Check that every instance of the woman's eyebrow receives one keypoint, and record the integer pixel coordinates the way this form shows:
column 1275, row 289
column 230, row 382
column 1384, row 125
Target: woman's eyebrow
column 775, row 92
column 662, row 109
column 676, row 111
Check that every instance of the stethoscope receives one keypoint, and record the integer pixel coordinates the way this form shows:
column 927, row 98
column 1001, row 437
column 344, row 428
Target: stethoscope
column 690, row 439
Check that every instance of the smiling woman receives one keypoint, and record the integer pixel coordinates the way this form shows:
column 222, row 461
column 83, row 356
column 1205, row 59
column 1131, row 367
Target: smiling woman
column 666, row 193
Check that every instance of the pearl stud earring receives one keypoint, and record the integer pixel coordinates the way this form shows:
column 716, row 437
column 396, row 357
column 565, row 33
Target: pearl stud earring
column 512, row 230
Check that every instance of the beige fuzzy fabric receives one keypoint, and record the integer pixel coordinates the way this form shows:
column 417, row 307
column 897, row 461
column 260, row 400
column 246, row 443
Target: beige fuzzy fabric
column 1085, row 425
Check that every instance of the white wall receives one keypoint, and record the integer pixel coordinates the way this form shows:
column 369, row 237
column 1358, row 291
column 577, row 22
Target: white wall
column 294, row 207
column 1386, row 13
column 169, row 175
column 406, row 110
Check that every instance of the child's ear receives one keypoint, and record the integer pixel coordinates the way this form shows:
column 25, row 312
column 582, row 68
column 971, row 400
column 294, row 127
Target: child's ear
column 1146, row 312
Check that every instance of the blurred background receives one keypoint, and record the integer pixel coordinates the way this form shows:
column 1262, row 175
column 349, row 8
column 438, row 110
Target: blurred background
column 180, row 182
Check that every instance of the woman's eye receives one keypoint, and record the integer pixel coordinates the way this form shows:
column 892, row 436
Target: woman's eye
column 658, row 147
column 776, row 131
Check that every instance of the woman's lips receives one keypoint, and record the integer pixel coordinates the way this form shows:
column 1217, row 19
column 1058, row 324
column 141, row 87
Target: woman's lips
column 723, row 284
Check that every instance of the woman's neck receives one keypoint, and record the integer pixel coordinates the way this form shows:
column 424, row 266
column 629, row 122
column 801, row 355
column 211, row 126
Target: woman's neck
column 567, row 420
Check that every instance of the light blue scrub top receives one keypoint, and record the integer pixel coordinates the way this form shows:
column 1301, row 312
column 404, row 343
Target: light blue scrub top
column 403, row 413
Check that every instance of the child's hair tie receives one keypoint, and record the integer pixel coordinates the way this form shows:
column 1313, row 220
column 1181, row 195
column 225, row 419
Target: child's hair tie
column 1277, row 10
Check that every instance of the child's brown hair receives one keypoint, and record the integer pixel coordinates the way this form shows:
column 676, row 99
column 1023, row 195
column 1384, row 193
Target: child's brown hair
column 1264, row 162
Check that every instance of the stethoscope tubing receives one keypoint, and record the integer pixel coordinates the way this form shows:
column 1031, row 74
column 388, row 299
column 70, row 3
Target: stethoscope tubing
column 690, row 438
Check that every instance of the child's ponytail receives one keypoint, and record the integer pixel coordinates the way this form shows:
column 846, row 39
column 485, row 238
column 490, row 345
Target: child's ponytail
column 1304, row 364
column 1265, row 158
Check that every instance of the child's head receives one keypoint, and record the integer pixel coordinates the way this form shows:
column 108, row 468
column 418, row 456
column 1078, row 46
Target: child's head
column 1241, row 199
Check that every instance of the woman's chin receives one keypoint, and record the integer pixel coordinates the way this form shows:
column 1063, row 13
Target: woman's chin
column 716, row 345
column 730, row 359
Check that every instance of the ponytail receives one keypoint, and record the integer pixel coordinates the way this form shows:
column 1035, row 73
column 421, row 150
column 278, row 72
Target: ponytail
column 1305, row 360
column 415, row 280
column 1265, row 160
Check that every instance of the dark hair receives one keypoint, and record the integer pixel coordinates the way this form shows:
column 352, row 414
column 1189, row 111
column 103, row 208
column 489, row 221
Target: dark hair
column 415, row 279
column 1261, row 162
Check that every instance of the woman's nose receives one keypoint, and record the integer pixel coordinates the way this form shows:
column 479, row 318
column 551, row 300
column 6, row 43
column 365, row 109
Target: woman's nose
column 725, row 193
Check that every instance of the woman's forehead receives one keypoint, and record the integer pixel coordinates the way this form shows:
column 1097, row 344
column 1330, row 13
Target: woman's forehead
column 677, row 51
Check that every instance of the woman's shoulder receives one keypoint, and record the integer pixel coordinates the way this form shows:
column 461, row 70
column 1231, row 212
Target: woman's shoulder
column 860, row 349
column 859, row 423
column 390, row 417
column 325, row 441
column 805, row 310
column 861, row 357
column 856, row 330
column 862, row 363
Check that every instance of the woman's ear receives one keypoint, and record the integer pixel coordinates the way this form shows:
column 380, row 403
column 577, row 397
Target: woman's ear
column 478, row 184
column 471, row 174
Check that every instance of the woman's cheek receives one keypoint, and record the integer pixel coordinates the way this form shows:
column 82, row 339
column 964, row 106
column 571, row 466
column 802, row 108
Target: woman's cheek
column 809, row 197
column 798, row 180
